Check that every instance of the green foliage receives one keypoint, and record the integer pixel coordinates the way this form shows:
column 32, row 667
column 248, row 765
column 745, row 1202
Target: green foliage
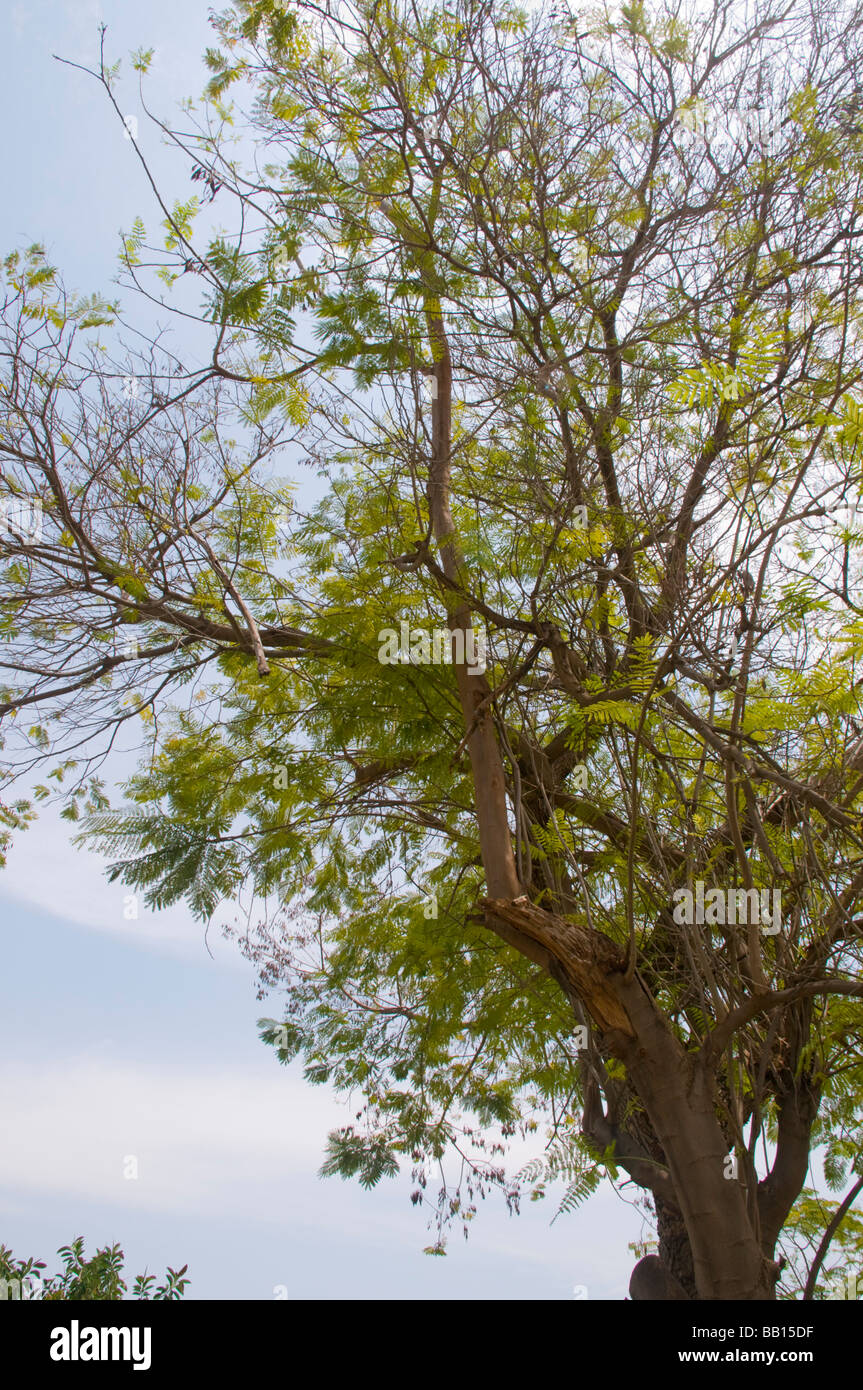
column 800, row 1239
column 31, row 276
column 351, row 1155
column 568, row 1160
column 723, row 383
column 16, row 816
column 99, row 1278
column 142, row 58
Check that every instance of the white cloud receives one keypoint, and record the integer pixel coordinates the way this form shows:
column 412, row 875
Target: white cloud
column 200, row 1137
column 77, row 21
column 230, row 1146
column 45, row 871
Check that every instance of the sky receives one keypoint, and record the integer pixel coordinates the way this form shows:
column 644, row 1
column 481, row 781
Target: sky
column 138, row 1104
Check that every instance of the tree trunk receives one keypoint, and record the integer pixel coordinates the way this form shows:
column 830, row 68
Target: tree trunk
column 678, row 1097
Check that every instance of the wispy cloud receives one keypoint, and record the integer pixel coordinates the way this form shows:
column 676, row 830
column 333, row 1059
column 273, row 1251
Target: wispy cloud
column 46, row 871
column 198, row 1138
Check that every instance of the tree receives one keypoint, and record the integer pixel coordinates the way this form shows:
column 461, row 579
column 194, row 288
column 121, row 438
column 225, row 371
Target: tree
column 567, row 320
column 97, row 1279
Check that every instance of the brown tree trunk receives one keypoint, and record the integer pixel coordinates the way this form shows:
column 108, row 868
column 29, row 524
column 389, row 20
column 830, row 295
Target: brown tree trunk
column 676, row 1092
column 474, row 691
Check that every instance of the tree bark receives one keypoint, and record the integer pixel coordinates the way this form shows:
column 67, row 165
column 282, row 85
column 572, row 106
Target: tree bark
column 474, row 690
column 676, row 1091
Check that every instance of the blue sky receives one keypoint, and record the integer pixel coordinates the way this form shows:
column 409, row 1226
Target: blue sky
column 129, row 1038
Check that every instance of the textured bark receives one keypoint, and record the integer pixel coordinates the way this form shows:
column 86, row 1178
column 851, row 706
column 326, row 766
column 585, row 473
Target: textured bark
column 635, row 1145
column 675, row 1249
column 676, row 1091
